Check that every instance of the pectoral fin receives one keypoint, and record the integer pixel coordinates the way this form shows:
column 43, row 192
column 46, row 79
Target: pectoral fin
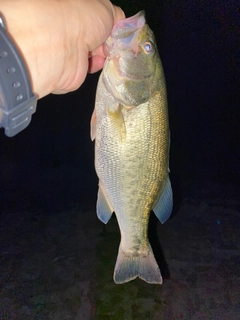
column 163, row 207
column 118, row 122
column 93, row 126
column 104, row 210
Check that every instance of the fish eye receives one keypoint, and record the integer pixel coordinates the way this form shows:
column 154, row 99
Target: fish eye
column 148, row 47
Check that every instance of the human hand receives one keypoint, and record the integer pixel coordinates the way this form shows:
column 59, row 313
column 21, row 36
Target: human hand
column 60, row 40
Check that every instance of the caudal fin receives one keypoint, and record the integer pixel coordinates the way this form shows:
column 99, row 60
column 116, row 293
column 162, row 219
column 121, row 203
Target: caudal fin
column 129, row 267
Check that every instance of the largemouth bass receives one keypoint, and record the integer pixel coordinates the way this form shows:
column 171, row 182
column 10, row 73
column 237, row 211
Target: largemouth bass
column 131, row 132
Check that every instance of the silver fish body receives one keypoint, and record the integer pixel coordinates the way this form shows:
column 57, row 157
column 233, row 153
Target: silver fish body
column 131, row 132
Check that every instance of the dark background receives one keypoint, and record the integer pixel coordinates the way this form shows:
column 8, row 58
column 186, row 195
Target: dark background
column 50, row 165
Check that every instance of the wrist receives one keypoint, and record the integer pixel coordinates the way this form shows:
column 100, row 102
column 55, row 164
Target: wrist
column 17, row 103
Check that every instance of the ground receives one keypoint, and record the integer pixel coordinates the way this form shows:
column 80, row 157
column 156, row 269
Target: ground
column 58, row 263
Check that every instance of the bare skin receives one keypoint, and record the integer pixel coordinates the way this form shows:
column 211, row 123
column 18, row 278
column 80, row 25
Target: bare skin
column 60, row 40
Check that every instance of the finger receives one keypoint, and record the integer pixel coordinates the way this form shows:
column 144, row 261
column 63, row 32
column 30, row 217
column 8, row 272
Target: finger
column 118, row 14
column 95, row 64
column 99, row 51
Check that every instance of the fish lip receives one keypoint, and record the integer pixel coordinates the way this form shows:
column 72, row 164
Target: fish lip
column 123, row 29
column 128, row 25
column 132, row 23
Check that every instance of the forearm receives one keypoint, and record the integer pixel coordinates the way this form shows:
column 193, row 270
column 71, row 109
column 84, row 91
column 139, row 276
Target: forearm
column 56, row 36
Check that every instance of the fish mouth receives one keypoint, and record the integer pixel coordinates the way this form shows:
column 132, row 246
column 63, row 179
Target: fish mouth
column 123, row 43
column 125, row 30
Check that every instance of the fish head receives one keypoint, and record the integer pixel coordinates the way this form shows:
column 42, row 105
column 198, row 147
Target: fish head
column 132, row 69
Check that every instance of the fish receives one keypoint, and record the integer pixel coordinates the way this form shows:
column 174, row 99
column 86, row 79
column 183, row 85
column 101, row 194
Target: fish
column 132, row 138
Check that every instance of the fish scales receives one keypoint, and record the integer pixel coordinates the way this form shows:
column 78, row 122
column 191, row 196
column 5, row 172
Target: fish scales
column 131, row 132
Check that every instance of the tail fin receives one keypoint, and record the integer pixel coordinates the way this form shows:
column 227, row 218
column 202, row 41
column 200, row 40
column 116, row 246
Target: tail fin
column 129, row 267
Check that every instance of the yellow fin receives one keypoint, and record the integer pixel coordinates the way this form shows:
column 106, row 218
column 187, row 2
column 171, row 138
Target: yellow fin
column 104, row 209
column 118, row 122
column 163, row 207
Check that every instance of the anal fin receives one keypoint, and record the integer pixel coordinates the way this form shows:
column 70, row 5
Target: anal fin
column 104, row 210
column 163, row 207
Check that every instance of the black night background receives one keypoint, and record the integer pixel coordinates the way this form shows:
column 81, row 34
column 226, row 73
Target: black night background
column 51, row 264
